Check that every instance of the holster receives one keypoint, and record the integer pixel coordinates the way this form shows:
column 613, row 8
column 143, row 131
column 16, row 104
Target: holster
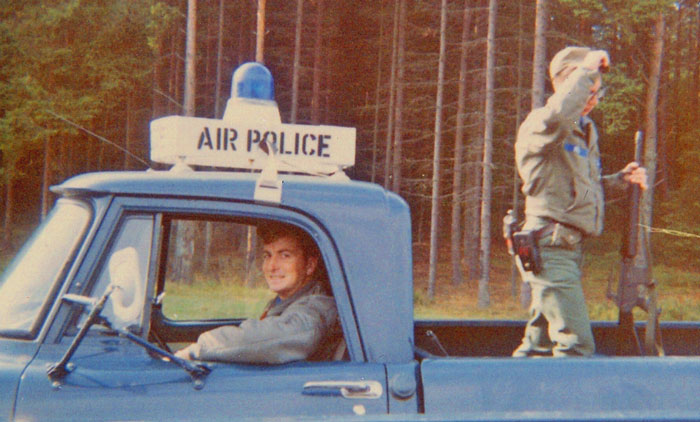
column 525, row 246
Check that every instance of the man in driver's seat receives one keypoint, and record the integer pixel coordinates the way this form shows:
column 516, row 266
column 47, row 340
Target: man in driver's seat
column 300, row 323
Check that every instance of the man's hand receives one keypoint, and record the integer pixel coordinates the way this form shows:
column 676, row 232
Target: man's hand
column 597, row 60
column 186, row 353
column 634, row 174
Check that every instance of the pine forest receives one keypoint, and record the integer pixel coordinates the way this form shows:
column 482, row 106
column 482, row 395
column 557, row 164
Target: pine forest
column 436, row 90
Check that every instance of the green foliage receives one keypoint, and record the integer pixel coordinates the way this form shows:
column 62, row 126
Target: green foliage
column 79, row 59
column 620, row 106
column 584, row 9
column 162, row 18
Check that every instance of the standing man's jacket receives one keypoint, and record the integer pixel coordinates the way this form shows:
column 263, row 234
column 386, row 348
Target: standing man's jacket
column 559, row 161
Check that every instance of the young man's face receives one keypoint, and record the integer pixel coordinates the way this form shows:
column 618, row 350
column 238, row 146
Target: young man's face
column 285, row 267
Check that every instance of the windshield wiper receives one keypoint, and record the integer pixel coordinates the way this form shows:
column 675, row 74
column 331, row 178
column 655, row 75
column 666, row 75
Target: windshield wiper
column 198, row 371
column 60, row 369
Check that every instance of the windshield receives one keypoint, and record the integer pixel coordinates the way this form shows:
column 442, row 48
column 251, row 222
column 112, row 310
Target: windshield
column 31, row 278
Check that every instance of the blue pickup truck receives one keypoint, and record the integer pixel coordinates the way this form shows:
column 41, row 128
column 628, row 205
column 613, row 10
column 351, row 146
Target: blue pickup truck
column 130, row 266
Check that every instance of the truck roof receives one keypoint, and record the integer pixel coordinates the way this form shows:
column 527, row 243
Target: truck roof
column 357, row 214
column 202, row 184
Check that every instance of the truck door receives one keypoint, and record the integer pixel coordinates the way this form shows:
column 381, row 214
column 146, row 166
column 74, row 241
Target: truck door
column 184, row 293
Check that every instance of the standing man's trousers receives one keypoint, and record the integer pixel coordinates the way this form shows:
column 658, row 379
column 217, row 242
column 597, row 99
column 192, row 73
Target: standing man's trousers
column 559, row 322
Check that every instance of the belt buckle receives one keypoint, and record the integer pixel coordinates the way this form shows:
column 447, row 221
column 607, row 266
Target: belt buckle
column 550, row 228
column 566, row 233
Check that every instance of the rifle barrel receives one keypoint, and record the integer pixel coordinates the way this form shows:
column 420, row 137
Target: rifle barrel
column 629, row 242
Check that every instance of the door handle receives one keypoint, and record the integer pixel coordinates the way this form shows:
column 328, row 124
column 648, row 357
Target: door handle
column 347, row 389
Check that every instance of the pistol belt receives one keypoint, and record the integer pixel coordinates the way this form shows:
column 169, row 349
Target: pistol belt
column 555, row 228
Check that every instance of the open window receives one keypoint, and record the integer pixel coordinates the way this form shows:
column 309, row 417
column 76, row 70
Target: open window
column 212, row 272
column 211, row 276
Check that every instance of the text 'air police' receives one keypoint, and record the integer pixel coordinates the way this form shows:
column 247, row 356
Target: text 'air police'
column 295, row 143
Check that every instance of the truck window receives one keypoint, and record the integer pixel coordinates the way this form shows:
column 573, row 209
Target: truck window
column 213, row 272
column 136, row 232
column 33, row 276
column 250, row 274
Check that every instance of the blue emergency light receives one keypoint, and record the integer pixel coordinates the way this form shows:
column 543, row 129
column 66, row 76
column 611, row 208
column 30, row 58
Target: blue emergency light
column 252, row 120
column 253, row 80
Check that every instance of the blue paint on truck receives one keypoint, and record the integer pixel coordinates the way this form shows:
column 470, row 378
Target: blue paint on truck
column 363, row 233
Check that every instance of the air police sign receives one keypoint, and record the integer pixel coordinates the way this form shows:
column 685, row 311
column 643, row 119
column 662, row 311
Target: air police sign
column 251, row 134
column 236, row 144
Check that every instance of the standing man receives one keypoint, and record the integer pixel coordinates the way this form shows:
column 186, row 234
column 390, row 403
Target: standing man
column 558, row 160
column 301, row 322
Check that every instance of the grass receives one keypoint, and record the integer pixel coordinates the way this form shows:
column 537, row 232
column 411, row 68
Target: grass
column 212, row 300
column 678, row 290
column 678, row 293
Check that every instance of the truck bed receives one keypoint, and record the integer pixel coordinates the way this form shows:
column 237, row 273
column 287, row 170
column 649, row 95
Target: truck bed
column 479, row 338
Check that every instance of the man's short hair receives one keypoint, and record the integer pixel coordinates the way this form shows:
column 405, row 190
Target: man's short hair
column 269, row 231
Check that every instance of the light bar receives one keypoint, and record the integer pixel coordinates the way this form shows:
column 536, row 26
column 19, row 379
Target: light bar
column 250, row 120
column 254, row 81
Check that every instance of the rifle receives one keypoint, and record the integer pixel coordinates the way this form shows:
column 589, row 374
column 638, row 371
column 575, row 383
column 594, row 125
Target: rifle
column 636, row 286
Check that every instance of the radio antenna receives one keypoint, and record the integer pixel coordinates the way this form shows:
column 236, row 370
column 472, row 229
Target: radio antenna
column 101, row 138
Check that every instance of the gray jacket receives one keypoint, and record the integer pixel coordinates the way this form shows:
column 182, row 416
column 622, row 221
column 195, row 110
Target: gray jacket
column 304, row 326
column 558, row 159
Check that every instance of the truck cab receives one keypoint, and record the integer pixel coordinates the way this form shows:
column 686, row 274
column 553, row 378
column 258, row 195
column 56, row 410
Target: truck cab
column 100, row 216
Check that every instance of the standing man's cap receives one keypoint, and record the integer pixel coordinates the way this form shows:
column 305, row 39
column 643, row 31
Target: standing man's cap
column 567, row 58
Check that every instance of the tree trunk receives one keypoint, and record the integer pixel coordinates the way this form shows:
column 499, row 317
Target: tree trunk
column 695, row 68
column 174, row 80
column 540, row 54
column 435, row 207
column 650, row 129
column 219, row 62
column 127, row 129
column 208, row 226
column 457, row 184
column 46, row 178
column 190, row 58
column 185, row 237
column 297, row 59
column 260, row 33
column 377, row 90
column 156, row 109
column 243, row 39
column 101, row 147
column 251, row 247
column 316, row 93
column 518, row 118
column 471, row 226
column 539, row 71
column 483, row 295
column 392, row 97
column 398, row 124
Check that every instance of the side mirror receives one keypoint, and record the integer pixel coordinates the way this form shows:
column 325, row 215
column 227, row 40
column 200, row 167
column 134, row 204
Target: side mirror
column 127, row 298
